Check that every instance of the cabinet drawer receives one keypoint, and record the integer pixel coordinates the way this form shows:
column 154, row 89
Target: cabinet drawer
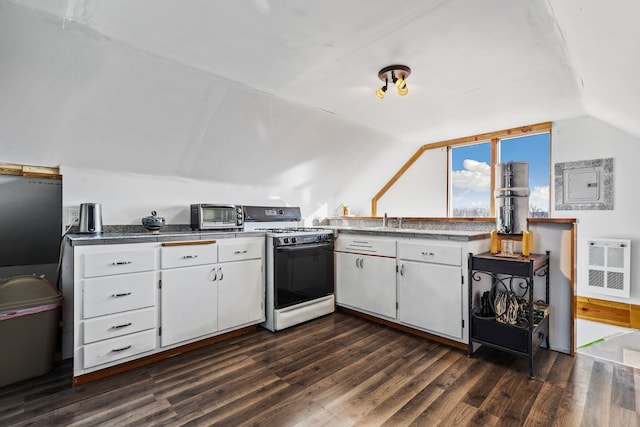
column 119, row 348
column 118, row 262
column 240, row 249
column 430, row 252
column 113, row 294
column 366, row 245
column 117, row 325
column 188, row 254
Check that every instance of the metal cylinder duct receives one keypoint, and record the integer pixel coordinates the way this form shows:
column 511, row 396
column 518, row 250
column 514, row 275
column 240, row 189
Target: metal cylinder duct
column 512, row 197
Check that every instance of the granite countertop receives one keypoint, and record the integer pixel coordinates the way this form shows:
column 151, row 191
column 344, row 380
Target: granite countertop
column 111, row 237
column 124, row 236
column 457, row 235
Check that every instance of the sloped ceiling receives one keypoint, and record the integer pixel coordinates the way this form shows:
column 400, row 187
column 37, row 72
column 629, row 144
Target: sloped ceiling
column 603, row 46
column 477, row 66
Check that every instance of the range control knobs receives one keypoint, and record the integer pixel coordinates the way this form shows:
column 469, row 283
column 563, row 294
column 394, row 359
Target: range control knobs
column 293, row 240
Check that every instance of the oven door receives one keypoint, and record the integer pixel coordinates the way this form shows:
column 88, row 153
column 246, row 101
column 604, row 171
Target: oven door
column 302, row 273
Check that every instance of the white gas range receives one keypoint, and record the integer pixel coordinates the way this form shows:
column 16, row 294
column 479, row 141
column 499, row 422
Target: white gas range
column 299, row 266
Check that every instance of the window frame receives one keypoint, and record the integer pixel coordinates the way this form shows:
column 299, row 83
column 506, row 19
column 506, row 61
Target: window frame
column 492, row 137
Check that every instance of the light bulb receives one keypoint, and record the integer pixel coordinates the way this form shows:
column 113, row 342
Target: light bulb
column 400, row 83
column 380, row 92
column 403, row 91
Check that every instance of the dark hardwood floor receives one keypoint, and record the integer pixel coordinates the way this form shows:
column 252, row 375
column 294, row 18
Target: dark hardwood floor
column 336, row 371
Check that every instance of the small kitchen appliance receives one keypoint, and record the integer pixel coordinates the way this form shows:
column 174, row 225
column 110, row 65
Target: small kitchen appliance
column 299, row 266
column 153, row 223
column 90, row 218
column 207, row 216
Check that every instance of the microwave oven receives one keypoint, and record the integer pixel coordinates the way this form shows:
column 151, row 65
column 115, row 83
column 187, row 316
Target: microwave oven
column 211, row 216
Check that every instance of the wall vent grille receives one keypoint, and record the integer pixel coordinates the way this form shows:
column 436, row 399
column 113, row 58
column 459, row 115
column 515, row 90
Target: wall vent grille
column 609, row 266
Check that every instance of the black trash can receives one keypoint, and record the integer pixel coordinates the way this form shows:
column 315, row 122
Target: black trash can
column 29, row 313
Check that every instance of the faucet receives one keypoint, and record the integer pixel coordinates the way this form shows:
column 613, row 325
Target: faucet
column 384, row 220
column 399, row 222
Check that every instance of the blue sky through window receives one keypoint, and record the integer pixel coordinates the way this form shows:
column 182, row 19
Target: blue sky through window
column 470, row 173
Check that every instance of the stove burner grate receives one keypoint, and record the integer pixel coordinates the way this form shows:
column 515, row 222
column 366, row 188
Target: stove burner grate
column 291, row 230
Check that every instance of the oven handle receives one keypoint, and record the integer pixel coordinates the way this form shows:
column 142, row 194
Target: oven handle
column 303, row 247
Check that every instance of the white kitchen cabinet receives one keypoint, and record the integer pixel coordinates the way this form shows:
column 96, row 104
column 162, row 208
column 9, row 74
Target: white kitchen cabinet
column 430, row 281
column 189, row 291
column 114, row 304
column 366, row 274
column 189, row 303
column 241, row 283
column 132, row 300
column 225, row 292
column 430, row 297
column 240, row 293
column 348, row 286
column 416, row 282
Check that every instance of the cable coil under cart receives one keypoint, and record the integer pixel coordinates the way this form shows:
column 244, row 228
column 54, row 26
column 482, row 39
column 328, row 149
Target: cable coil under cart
column 503, row 311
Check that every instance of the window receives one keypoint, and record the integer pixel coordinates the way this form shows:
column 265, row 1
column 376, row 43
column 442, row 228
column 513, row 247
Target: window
column 470, row 183
column 533, row 149
column 470, row 174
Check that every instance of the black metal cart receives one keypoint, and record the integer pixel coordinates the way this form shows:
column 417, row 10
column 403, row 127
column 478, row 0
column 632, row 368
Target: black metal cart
column 515, row 323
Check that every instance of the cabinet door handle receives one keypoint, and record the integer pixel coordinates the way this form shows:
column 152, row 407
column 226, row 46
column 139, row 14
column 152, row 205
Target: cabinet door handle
column 402, row 269
column 428, row 254
column 220, row 275
column 240, row 252
column 190, row 256
column 121, row 326
column 120, row 295
column 121, row 262
column 122, row 348
column 361, row 262
column 213, row 276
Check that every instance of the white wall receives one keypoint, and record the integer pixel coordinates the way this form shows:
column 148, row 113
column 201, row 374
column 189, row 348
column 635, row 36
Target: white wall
column 586, row 138
column 131, row 129
column 422, row 190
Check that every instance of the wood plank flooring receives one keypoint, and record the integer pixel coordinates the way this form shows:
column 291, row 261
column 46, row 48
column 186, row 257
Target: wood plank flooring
column 336, row 371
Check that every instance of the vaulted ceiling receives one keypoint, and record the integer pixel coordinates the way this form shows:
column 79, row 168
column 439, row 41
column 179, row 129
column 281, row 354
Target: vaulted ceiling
column 477, row 65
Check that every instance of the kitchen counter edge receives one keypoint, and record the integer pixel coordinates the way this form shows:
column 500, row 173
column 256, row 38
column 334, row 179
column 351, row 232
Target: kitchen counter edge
column 119, row 238
column 453, row 235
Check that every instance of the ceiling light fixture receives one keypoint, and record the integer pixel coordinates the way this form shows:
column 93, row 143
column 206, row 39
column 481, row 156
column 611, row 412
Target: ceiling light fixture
column 380, row 91
column 398, row 75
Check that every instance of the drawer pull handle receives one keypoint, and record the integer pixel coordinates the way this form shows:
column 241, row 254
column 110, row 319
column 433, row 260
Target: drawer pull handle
column 240, row 252
column 428, row 253
column 120, row 295
column 190, row 256
column 121, row 263
column 121, row 326
column 121, row 349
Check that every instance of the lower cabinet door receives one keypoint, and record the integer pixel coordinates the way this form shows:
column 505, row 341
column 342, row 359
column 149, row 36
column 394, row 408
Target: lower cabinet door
column 189, row 303
column 348, row 287
column 430, row 297
column 378, row 285
column 366, row 283
column 240, row 293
